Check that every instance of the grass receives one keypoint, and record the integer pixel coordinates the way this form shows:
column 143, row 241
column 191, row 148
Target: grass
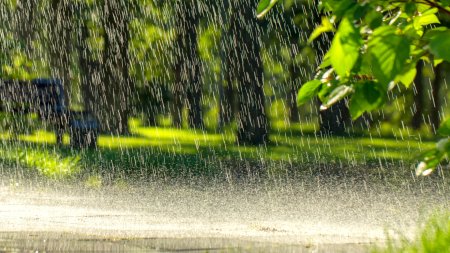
column 433, row 237
column 167, row 152
column 43, row 160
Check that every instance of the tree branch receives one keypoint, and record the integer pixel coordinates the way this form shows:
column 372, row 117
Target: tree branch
column 436, row 5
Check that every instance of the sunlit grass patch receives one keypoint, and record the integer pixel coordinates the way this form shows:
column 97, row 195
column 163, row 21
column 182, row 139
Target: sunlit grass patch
column 47, row 162
column 184, row 136
column 356, row 149
column 433, row 237
column 106, row 141
column 5, row 136
column 386, row 129
column 285, row 126
column 41, row 136
column 174, row 152
column 399, row 144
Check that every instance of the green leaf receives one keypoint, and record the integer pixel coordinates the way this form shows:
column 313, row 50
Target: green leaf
column 439, row 44
column 335, row 96
column 374, row 19
column 326, row 89
column 264, row 6
column 368, row 96
column 437, row 61
column 424, row 20
column 444, row 129
column 433, row 32
column 363, row 67
column 308, row 91
column 407, row 77
column 429, row 160
column 339, row 7
column 388, row 53
column 410, row 8
column 326, row 61
column 345, row 48
column 326, row 26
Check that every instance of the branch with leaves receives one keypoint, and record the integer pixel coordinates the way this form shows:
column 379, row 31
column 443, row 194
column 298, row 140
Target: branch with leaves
column 376, row 47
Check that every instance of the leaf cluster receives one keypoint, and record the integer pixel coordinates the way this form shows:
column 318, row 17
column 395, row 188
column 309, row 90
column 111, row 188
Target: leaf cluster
column 376, row 46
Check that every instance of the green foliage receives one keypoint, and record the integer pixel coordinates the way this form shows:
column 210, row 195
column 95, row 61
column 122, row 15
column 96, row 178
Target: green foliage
column 45, row 161
column 345, row 49
column 324, row 27
column 380, row 41
column 264, row 6
column 445, row 128
column 17, row 67
column 388, row 52
column 407, row 76
column 335, row 95
column 433, row 157
column 384, row 41
column 309, row 90
column 433, row 237
column 367, row 96
column 439, row 43
column 376, row 47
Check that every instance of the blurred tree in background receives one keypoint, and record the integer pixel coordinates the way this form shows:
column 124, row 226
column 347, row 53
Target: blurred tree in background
column 187, row 86
column 213, row 65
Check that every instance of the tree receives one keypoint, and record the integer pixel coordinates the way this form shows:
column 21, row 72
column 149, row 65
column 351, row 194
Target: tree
column 88, row 62
column 59, row 41
column 14, row 53
column 436, row 114
column 150, row 49
column 297, row 25
column 247, row 66
column 104, row 61
column 118, row 86
column 227, row 108
column 418, row 88
column 187, row 65
column 25, row 23
column 376, row 46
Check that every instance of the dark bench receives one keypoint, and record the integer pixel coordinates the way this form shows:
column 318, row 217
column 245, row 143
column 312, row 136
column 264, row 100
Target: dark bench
column 46, row 98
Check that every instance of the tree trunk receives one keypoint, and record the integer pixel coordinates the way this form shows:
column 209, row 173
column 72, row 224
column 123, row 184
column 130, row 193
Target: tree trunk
column 178, row 93
column 60, row 43
column 227, row 101
column 252, row 120
column 187, row 76
column 295, row 82
column 418, row 89
column 90, row 73
column 25, row 23
column 435, row 114
column 227, row 108
column 117, row 86
column 334, row 120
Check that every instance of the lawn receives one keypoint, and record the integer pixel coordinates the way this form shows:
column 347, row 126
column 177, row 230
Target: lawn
column 168, row 152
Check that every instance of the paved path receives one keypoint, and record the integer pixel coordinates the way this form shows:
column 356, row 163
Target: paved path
column 288, row 214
